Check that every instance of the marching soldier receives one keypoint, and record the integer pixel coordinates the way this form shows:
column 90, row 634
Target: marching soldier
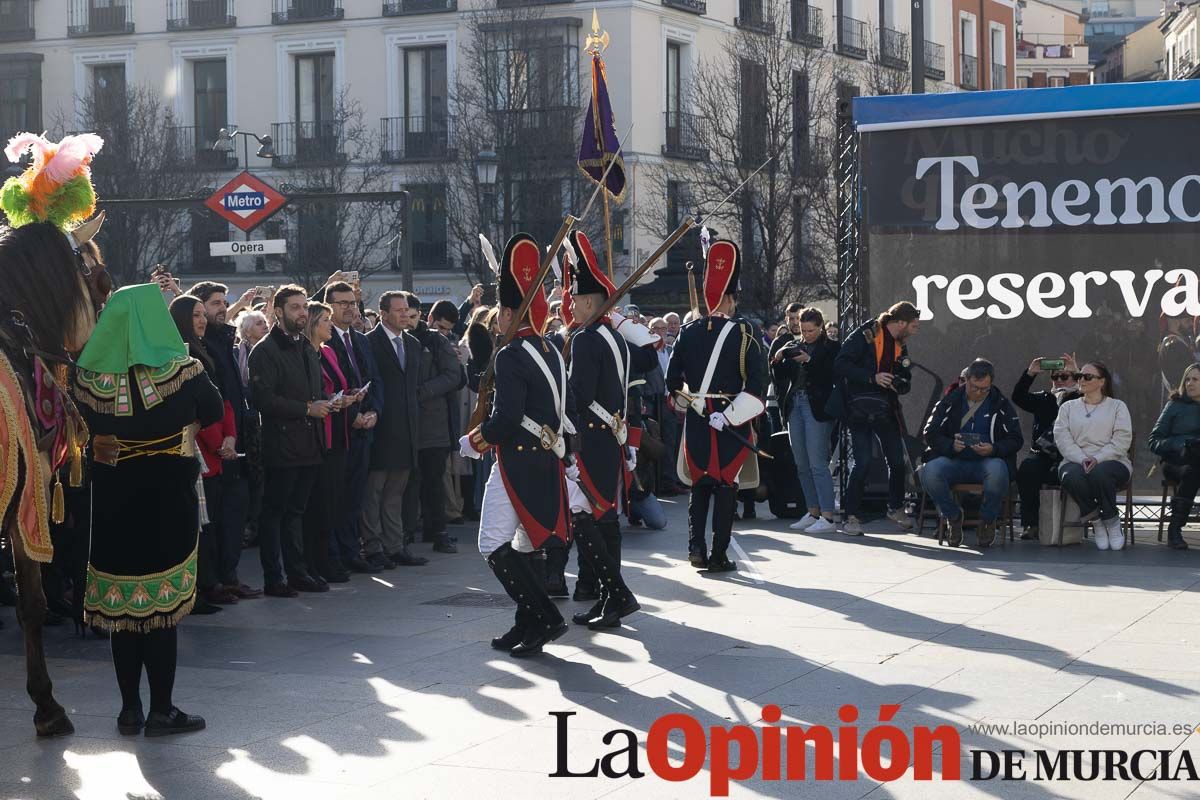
column 715, row 357
column 608, row 434
column 525, row 499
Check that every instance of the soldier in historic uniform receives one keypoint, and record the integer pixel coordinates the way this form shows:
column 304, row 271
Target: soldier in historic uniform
column 525, row 501
column 715, row 375
column 609, row 432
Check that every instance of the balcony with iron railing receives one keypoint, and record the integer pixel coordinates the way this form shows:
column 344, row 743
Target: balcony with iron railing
column 752, row 15
column 999, row 77
column 193, row 15
column 684, row 136
column 935, row 61
column 807, row 24
column 403, row 8
column 16, row 21
column 852, row 37
column 551, row 130
column 299, row 144
column 191, row 147
column 893, row 48
column 519, row 3
column 285, row 12
column 812, row 156
column 417, row 138
column 968, row 68
column 99, row 17
column 694, row 6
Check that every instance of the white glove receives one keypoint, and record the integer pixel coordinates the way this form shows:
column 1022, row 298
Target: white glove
column 573, row 472
column 717, row 420
column 631, row 464
column 465, row 450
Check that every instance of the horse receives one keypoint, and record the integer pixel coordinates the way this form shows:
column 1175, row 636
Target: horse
column 37, row 337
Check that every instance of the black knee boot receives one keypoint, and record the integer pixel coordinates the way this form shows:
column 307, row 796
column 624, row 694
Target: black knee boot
column 698, row 525
column 618, row 599
column 1181, row 509
column 546, row 624
column 522, row 619
column 586, row 587
column 724, row 504
column 556, row 565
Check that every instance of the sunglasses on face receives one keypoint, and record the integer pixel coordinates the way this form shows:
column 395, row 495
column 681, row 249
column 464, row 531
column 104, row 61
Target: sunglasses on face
column 1086, row 376
column 1062, row 376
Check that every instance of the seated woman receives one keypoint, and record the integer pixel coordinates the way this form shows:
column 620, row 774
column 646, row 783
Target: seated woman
column 1093, row 433
column 1176, row 440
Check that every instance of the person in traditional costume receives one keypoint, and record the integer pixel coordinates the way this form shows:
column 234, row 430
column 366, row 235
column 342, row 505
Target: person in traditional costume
column 525, row 500
column 144, row 398
column 714, row 375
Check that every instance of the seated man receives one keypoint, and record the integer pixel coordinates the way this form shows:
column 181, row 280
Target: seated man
column 971, row 437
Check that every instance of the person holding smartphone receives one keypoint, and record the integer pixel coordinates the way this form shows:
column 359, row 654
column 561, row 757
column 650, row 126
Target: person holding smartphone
column 1040, row 468
column 1094, row 433
column 972, row 436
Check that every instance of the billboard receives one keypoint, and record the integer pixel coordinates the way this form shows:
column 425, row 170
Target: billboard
column 1036, row 222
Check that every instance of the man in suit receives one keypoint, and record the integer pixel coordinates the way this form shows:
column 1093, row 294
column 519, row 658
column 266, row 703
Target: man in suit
column 357, row 362
column 394, row 447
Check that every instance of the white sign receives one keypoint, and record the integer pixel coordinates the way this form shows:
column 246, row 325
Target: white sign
column 254, row 247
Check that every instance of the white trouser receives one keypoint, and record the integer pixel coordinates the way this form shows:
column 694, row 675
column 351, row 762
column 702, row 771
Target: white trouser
column 579, row 502
column 498, row 520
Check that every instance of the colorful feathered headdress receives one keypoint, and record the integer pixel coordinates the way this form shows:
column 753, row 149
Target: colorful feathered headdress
column 57, row 186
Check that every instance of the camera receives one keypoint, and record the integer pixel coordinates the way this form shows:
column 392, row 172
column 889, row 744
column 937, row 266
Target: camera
column 902, row 375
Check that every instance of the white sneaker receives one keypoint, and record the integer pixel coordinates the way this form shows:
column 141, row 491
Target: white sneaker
column 1116, row 536
column 898, row 516
column 822, row 525
column 1100, row 531
column 852, row 527
column 804, row 523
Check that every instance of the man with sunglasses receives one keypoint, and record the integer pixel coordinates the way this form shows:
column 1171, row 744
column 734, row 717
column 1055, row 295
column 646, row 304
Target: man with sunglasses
column 1040, row 467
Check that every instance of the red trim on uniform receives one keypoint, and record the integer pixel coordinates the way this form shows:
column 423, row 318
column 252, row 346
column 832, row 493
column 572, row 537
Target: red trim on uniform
column 635, row 437
column 587, row 256
column 538, row 534
column 718, row 272
column 599, row 503
column 693, row 469
column 730, row 473
column 477, row 442
column 526, row 262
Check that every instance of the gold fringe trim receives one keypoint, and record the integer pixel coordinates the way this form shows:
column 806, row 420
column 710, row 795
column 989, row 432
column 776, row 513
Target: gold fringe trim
column 130, row 624
column 102, row 405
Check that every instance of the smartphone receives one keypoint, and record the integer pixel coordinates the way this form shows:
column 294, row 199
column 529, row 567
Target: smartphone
column 1051, row 363
column 337, row 397
column 352, row 276
column 365, row 387
column 970, row 439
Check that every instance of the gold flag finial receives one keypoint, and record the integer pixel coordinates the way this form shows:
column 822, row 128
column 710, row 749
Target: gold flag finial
column 597, row 40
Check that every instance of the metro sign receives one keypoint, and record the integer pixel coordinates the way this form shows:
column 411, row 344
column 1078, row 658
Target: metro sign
column 246, row 201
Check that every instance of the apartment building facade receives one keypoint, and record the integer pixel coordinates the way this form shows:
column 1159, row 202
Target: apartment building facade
column 1051, row 48
column 279, row 67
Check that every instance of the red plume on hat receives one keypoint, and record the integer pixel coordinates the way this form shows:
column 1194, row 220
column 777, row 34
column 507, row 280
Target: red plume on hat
column 721, row 272
column 518, row 271
column 586, row 275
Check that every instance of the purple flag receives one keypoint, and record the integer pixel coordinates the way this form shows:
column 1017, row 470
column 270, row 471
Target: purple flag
column 600, row 144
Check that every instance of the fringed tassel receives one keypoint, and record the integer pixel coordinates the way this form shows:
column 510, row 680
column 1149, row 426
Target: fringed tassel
column 154, row 623
column 58, row 506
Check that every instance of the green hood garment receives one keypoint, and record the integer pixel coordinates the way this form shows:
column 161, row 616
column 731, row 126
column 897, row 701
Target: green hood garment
column 134, row 329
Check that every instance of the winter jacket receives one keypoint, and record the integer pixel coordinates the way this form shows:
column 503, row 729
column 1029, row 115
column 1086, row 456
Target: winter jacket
column 1178, row 424
column 945, row 421
column 1042, row 405
column 210, row 438
column 439, row 379
column 855, row 368
column 285, row 377
column 818, row 375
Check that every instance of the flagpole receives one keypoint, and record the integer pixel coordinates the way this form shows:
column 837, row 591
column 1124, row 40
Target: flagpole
column 608, row 233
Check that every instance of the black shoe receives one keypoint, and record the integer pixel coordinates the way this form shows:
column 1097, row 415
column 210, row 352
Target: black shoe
column 280, row 590
column 130, row 721
column 610, row 615
column 203, row 607
column 404, row 558
column 556, row 585
column 304, row 583
column 174, row 721
column 359, row 566
column 244, row 592
column 584, row 617
column 986, row 534
column 336, row 576
column 379, row 562
column 534, row 640
column 698, row 560
column 585, row 592
column 444, row 545
column 955, row 533
column 509, row 640
column 720, row 564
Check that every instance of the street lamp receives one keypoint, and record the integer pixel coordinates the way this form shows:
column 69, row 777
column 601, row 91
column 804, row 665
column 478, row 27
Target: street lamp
column 224, row 144
column 487, row 164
